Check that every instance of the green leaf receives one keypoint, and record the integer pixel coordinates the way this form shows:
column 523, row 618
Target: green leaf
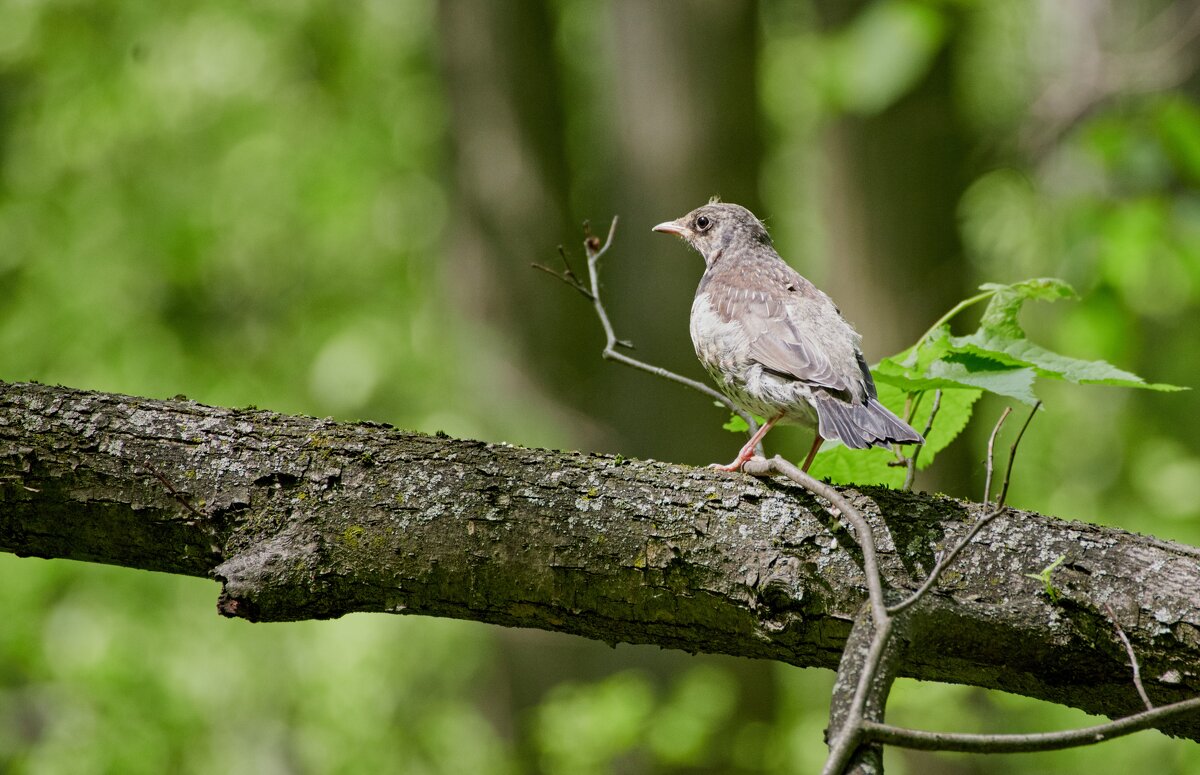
column 998, row 357
column 967, row 370
column 1001, row 312
column 1047, row 363
column 937, row 363
column 1000, row 339
column 736, row 424
column 842, row 465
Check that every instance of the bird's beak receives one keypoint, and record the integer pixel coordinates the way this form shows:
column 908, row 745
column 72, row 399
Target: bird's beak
column 671, row 227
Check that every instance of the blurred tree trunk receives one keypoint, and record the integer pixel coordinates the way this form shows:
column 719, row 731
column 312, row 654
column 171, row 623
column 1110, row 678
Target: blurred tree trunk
column 510, row 205
column 684, row 116
column 686, row 119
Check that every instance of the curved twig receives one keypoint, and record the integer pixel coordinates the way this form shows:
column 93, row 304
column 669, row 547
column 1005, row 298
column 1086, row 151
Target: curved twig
column 849, row 735
column 1133, row 660
column 595, row 251
column 996, row 511
column 1041, row 741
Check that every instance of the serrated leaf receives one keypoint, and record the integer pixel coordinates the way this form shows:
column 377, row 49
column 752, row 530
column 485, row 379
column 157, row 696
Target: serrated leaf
column 1001, row 312
column 1000, row 316
column 998, row 357
column 1046, row 288
column 966, row 371
column 1000, row 337
column 1023, row 352
column 842, row 465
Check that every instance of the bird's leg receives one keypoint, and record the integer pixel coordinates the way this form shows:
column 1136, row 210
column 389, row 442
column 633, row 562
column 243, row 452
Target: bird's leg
column 812, row 453
column 748, row 450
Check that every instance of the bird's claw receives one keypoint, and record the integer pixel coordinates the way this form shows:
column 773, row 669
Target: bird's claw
column 736, row 465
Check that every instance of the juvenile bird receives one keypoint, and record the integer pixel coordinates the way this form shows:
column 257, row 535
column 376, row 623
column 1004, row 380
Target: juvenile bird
column 775, row 344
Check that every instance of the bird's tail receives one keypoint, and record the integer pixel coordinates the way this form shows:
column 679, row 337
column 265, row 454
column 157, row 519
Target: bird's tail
column 858, row 426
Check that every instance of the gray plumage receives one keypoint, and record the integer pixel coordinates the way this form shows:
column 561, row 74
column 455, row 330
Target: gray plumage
column 773, row 342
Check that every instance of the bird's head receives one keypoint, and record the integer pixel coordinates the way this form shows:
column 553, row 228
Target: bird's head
column 715, row 227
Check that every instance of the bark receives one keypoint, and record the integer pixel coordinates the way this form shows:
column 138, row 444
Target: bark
column 306, row 518
column 857, row 657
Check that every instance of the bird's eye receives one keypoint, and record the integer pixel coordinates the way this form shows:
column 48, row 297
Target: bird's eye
column 703, row 222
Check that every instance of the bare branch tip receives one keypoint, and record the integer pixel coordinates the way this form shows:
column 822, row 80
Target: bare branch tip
column 991, row 450
column 1012, row 455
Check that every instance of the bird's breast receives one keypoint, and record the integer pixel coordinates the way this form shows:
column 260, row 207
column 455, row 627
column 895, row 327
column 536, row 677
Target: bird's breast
column 724, row 348
column 721, row 344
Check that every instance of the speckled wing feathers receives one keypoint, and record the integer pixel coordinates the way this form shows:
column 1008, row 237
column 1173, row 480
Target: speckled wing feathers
column 783, row 316
column 793, row 331
column 774, row 343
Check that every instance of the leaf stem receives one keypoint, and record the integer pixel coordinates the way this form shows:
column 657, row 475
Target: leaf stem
column 957, row 308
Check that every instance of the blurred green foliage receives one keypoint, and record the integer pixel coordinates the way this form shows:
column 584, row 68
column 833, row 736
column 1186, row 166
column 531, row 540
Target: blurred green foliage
column 251, row 203
column 583, row 729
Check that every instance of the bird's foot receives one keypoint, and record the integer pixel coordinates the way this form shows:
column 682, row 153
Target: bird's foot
column 737, row 464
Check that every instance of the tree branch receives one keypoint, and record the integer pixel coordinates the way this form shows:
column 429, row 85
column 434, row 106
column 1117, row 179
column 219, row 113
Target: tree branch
column 1038, row 741
column 305, row 518
column 595, row 251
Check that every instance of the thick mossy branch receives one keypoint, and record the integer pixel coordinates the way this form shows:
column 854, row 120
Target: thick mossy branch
column 305, row 518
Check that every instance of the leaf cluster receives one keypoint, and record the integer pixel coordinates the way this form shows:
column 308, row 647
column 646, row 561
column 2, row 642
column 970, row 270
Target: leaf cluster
column 996, row 358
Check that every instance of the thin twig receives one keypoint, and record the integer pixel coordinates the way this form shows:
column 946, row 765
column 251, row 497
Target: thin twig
column 567, row 278
column 945, row 562
column 911, row 464
column 911, row 406
column 568, row 275
column 1043, row 741
column 862, row 530
column 996, row 511
column 595, row 251
column 174, row 493
column 987, row 484
column 1012, row 456
column 1133, row 660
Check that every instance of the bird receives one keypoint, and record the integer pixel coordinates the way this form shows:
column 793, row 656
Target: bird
column 775, row 344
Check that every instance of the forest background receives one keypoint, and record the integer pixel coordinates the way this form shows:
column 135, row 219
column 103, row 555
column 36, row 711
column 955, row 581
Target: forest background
column 332, row 208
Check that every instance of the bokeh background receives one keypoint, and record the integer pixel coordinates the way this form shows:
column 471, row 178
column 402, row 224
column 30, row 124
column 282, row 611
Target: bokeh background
column 331, row 208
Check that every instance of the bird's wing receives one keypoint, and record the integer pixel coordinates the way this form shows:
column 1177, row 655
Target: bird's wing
column 795, row 330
